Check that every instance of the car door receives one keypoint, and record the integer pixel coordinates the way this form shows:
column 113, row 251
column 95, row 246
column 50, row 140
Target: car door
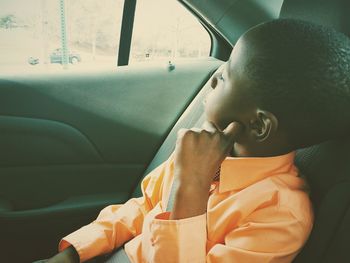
column 74, row 141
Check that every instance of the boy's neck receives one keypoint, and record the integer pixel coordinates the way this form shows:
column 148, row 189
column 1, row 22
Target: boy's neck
column 240, row 150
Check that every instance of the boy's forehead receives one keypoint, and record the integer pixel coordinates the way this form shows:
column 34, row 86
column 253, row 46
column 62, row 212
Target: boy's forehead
column 236, row 58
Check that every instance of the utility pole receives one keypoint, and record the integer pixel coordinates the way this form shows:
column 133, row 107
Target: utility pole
column 45, row 39
column 64, row 45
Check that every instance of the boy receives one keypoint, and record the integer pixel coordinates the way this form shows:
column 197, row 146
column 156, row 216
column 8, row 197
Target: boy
column 285, row 86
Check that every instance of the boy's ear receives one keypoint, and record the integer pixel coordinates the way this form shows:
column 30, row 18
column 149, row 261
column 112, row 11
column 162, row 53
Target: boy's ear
column 263, row 125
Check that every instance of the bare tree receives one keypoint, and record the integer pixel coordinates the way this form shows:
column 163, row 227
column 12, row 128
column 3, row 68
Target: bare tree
column 8, row 21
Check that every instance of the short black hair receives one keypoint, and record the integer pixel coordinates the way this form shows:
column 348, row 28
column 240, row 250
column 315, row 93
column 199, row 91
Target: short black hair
column 301, row 73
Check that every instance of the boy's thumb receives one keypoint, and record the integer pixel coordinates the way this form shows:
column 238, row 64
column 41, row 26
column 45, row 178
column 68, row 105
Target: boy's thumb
column 233, row 129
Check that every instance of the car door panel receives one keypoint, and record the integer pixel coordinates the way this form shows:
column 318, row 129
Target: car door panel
column 72, row 143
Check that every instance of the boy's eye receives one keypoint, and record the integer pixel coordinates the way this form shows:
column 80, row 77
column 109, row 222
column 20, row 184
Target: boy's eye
column 221, row 77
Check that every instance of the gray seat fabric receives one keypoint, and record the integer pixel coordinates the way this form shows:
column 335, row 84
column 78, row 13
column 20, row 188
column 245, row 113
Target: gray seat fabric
column 192, row 117
column 327, row 168
column 331, row 13
column 119, row 256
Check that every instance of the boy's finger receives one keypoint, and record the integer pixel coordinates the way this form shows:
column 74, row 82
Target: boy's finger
column 232, row 130
column 195, row 129
column 210, row 127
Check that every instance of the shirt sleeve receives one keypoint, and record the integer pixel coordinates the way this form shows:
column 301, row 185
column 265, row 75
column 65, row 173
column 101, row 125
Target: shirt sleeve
column 116, row 224
column 181, row 240
column 275, row 240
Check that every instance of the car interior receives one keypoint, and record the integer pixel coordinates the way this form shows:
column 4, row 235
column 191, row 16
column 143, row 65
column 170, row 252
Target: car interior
column 72, row 143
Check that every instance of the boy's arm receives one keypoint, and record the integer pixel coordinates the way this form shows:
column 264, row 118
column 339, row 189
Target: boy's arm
column 116, row 224
column 198, row 155
column 180, row 235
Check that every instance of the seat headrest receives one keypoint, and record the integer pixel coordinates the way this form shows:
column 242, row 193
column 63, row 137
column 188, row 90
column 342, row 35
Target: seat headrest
column 331, row 13
column 325, row 166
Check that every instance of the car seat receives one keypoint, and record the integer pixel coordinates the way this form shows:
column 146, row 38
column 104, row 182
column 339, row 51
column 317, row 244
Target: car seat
column 326, row 166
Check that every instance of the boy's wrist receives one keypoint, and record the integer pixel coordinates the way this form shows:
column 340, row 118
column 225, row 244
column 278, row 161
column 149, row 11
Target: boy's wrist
column 197, row 182
column 190, row 201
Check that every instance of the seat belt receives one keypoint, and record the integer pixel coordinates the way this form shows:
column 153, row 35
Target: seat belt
column 192, row 117
column 119, row 256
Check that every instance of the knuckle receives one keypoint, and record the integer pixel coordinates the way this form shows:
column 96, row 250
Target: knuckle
column 185, row 133
column 205, row 132
column 189, row 132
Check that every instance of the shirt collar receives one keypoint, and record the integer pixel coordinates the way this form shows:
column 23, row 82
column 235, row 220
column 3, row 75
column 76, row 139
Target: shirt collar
column 238, row 172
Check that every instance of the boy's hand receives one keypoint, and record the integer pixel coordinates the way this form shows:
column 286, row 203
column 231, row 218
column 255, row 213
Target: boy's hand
column 198, row 155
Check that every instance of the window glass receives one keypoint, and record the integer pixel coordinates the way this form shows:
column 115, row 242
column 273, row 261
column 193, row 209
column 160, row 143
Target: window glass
column 165, row 30
column 31, row 34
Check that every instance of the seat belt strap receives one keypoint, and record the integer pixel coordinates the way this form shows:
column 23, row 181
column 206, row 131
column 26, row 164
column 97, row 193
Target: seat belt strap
column 195, row 118
column 119, row 256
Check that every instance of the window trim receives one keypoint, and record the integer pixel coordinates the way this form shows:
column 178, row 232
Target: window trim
column 220, row 48
column 126, row 32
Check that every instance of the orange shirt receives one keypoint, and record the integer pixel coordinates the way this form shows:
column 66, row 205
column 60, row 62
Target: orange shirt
column 257, row 212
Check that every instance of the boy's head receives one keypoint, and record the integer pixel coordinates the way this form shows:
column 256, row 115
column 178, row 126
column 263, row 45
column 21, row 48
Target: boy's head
column 288, row 83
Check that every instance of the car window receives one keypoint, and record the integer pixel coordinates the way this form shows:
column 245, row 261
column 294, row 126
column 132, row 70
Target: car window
column 165, row 30
column 51, row 36
column 32, row 34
